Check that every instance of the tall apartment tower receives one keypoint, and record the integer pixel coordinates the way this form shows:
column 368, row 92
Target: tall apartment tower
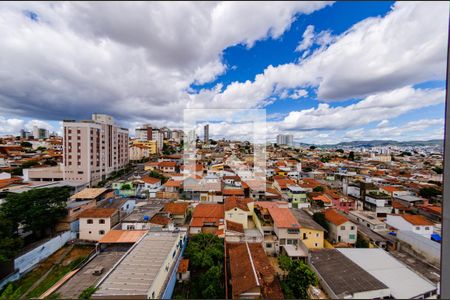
column 93, row 149
column 285, row 139
column 206, row 133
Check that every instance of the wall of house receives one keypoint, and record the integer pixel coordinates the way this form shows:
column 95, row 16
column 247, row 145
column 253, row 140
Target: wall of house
column 167, row 270
column 401, row 224
column 237, row 215
column 91, row 232
column 314, row 238
column 348, row 235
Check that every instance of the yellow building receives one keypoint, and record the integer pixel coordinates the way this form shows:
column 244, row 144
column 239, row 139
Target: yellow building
column 238, row 210
column 312, row 234
column 142, row 149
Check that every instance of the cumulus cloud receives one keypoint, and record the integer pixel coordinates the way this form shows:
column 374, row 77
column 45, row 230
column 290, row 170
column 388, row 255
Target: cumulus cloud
column 405, row 47
column 373, row 108
column 10, row 126
column 308, row 39
column 135, row 61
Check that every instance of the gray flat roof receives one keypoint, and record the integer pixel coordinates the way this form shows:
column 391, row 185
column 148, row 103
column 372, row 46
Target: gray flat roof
column 135, row 274
column 343, row 276
column 402, row 282
column 305, row 220
column 85, row 278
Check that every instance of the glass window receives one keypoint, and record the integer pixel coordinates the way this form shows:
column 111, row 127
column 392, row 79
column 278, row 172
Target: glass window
column 101, row 232
column 351, row 236
column 342, row 227
column 417, row 228
column 352, row 227
column 101, row 221
column 427, row 228
column 90, row 221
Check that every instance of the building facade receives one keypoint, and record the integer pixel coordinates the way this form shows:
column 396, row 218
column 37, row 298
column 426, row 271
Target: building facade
column 93, row 149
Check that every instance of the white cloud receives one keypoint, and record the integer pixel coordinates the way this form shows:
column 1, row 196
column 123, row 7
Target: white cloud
column 299, row 93
column 135, row 61
column 373, row 108
column 379, row 54
column 10, row 126
column 308, row 39
column 383, row 124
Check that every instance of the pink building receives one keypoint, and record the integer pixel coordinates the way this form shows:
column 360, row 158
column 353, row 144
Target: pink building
column 93, row 149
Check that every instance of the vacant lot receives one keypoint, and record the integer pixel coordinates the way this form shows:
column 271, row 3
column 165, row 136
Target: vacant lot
column 48, row 271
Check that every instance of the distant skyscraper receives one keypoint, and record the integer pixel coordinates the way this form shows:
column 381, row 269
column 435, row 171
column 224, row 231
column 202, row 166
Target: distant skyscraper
column 285, row 139
column 206, row 133
column 93, row 149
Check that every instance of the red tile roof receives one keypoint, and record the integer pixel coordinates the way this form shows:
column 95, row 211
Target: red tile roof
column 207, row 213
column 98, row 213
column 232, row 202
column 233, row 226
column 283, row 217
column 167, row 164
column 417, row 220
column 150, row 180
column 173, row 183
column 160, row 220
column 183, row 266
column 334, row 217
column 176, row 208
column 233, row 192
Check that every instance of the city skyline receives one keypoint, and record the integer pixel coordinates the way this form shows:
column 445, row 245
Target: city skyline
column 388, row 82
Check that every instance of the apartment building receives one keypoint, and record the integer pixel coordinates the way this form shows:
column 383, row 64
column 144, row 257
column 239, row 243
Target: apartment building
column 93, row 149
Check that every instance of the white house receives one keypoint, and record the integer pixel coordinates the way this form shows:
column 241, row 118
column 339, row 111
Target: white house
column 341, row 229
column 415, row 223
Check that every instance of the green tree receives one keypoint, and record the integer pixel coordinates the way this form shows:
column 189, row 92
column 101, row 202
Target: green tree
column 312, row 147
column 319, row 217
column 299, row 279
column 351, row 156
column 284, row 262
column 126, row 187
column 50, row 162
column 10, row 293
column 205, row 250
column 10, row 242
column 340, row 150
column 318, row 188
column 438, row 170
column 41, row 148
column 210, row 283
column 39, row 210
column 361, row 242
column 26, row 144
column 29, row 164
column 307, row 169
column 87, row 293
column 428, row 192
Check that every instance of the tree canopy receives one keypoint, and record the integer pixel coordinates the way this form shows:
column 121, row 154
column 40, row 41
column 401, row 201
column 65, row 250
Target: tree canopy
column 26, row 144
column 298, row 280
column 38, row 210
column 318, row 189
column 428, row 192
column 205, row 250
column 206, row 253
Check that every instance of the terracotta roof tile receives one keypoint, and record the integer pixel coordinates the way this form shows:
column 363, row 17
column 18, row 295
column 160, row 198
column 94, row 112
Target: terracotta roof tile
column 334, row 217
column 176, row 208
column 417, row 220
column 98, row 212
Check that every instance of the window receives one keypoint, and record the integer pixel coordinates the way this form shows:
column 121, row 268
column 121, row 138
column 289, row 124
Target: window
column 90, row 232
column 342, row 227
column 417, row 228
column 101, row 232
column 352, row 227
column 304, row 236
column 427, row 228
column 90, row 221
column 317, row 234
column 268, row 245
column 351, row 236
column 101, row 221
column 316, row 245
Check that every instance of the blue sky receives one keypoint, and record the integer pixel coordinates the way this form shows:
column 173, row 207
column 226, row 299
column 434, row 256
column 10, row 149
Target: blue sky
column 325, row 72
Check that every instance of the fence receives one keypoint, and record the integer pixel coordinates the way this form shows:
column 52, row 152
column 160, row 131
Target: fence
column 29, row 260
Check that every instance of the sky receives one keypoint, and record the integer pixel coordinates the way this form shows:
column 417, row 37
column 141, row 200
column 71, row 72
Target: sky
column 325, row 72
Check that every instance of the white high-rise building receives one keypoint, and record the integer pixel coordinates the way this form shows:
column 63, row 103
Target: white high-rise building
column 93, row 149
column 285, row 139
